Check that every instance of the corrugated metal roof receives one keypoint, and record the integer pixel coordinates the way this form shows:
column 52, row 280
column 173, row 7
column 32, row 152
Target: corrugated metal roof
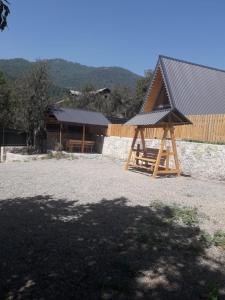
column 194, row 89
column 159, row 118
column 80, row 116
column 151, row 118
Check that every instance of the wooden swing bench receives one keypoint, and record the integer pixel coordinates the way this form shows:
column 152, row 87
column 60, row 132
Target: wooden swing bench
column 154, row 160
column 147, row 159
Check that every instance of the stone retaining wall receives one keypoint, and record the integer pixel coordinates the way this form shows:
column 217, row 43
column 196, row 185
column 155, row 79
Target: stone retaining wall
column 7, row 154
column 196, row 159
column 8, row 149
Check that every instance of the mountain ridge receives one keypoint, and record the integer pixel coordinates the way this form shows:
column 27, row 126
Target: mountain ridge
column 73, row 75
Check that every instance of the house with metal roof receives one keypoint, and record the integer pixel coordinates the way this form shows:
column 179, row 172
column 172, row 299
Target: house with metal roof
column 190, row 89
column 74, row 129
column 179, row 90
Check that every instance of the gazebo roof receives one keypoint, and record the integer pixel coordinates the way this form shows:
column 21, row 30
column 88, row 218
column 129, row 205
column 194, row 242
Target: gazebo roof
column 159, row 118
column 80, row 116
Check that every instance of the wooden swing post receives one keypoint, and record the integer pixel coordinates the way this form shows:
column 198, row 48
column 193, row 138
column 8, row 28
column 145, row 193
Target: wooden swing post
column 132, row 148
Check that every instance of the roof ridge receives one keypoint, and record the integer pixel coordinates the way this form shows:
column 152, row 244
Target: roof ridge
column 191, row 63
column 156, row 111
column 82, row 109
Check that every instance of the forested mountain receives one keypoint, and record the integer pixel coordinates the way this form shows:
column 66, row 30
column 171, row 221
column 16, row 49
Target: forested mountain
column 24, row 102
column 66, row 74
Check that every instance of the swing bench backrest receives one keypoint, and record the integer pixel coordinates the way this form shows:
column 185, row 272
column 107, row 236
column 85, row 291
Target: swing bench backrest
column 152, row 153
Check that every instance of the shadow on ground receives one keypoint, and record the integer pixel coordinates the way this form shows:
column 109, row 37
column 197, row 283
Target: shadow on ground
column 58, row 249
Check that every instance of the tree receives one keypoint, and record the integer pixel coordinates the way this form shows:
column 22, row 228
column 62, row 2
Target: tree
column 5, row 105
column 2, row 79
column 4, row 12
column 143, row 84
column 121, row 103
column 88, row 88
column 32, row 93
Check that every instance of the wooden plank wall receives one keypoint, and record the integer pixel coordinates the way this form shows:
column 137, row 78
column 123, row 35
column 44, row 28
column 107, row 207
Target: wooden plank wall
column 205, row 128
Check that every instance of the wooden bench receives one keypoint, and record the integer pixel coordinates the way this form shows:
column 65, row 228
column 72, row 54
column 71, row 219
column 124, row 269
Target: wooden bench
column 88, row 146
column 147, row 159
column 77, row 144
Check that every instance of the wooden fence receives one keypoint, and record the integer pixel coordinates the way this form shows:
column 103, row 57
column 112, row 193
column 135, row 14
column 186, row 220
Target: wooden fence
column 205, row 128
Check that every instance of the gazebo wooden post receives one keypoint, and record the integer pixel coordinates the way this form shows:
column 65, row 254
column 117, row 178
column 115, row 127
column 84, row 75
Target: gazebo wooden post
column 83, row 139
column 60, row 136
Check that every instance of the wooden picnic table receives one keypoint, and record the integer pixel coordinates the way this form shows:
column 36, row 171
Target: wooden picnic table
column 83, row 146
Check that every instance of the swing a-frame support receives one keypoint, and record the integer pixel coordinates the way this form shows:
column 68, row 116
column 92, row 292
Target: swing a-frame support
column 157, row 161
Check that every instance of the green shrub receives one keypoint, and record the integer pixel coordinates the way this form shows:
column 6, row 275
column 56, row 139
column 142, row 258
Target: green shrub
column 219, row 239
column 206, row 239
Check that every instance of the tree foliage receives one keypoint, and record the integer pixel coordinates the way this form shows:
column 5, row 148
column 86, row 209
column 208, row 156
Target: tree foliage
column 118, row 104
column 143, row 84
column 5, row 102
column 4, row 12
column 32, row 102
column 123, row 102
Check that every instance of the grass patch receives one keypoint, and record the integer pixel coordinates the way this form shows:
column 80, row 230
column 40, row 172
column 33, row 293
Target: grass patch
column 206, row 239
column 186, row 215
column 219, row 239
column 59, row 155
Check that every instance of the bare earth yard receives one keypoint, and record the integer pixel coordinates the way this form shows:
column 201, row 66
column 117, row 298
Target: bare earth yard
column 86, row 229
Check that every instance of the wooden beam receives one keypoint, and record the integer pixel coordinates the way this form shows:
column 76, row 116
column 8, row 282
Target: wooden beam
column 83, row 139
column 131, row 148
column 174, row 150
column 60, row 136
column 161, row 148
column 143, row 140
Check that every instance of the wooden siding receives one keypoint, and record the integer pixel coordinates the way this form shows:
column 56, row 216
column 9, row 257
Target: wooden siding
column 205, row 128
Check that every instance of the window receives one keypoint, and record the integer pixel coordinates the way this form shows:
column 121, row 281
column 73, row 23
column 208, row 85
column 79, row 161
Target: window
column 162, row 100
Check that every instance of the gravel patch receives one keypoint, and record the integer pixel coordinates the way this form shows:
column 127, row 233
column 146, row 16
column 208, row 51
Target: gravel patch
column 89, row 180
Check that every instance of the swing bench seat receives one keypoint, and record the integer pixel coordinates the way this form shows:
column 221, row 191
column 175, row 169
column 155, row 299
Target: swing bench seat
column 148, row 158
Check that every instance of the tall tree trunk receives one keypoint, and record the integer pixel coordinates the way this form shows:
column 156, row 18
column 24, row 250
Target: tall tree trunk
column 3, row 136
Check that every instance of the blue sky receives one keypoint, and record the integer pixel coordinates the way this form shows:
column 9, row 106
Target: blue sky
column 126, row 33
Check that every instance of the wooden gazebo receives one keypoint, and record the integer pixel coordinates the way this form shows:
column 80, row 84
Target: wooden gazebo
column 74, row 129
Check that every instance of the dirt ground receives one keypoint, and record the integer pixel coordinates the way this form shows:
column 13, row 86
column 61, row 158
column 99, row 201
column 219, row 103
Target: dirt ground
column 87, row 229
